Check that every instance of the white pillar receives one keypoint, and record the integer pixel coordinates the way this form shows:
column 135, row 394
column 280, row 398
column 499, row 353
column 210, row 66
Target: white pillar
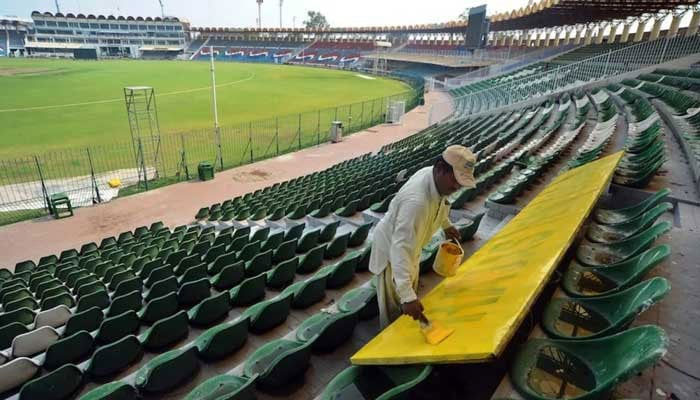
column 641, row 26
column 625, row 32
column 524, row 35
column 694, row 23
column 656, row 29
column 589, row 35
column 601, row 32
column 579, row 35
column 557, row 38
column 613, row 32
column 675, row 23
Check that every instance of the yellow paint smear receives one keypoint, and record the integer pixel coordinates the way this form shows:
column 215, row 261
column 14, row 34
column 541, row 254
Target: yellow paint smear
column 493, row 290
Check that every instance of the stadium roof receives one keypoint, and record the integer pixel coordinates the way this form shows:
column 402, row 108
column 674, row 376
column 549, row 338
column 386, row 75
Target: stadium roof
column 549, row 13
column 102, row 17
column 452, row 26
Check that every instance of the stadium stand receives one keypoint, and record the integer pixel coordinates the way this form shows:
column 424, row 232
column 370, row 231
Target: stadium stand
column 154, row 311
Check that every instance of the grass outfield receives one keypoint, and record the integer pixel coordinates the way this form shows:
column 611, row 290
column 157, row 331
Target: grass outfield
column 52, row 104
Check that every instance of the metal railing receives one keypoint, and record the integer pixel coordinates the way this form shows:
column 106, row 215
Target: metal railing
column 571, row 76
column 84, row 174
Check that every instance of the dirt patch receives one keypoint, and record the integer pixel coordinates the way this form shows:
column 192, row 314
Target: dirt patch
column 255, row 175
column 27, row 71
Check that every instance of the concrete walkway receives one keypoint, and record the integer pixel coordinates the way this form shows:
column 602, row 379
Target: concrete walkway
column 177, row 204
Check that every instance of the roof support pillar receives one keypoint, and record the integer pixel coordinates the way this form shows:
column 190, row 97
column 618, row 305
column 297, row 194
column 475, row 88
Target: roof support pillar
column 570, row 32
column 625, row 32
column 694, row 23
column 589, row 35
column 676, row 22
column 557, row 37
column 523, row 37
column 601, row 32
column 656, row 29
column 579, row 34
column 641, row 26
column 613, row 31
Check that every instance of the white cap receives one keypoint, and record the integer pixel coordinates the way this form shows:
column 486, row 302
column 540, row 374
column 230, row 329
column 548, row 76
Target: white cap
column 462, row 161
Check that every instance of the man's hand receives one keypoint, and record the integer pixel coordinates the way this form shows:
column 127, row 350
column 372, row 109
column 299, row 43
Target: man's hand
column 451, row 233
column 413, row 308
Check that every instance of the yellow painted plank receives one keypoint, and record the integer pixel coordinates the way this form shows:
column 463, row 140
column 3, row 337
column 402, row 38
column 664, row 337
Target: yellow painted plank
column 494, row 289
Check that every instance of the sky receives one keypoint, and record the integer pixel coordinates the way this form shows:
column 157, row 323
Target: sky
column 239, row 13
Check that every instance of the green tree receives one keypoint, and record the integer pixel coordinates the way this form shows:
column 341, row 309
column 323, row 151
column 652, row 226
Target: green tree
column 316, row 21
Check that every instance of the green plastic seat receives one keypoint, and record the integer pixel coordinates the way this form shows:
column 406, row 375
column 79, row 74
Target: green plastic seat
column 601, row 233
column 221, row 261
column 582, row 281
column 214, row 252
column 98, row 299
column 50, row 302
column 128, row 285
column 249, row 291
column 224, row 387
column 273, row 241
column 115, row 357
column 328, row 232
column 359, row 235
column 545, row 369
column 362, row 300
column 327, row 330
column 376, row 382
column 262, row 262
column 194, row 292
column 130, row 301
column 382, row 206
column 349, row 209
column 285, row 251
column 115, row 328
column 467, row 231
column 161, row 288
column 576, row 318
column 616, row 216
column 307, row 292
column 167, row 371
column 166, row 332
column 187, row 263
column 9, row 332
column 283, row 274
column 111, row 391
column 310, row 261
column 323, row 211
column 69, row 349
column 194, row 274
column 278, row 362
column 24, row 266
column 210, row 310
column 159, row 274
column 337, row 246
column 88, row 286
column 87, row 320
column 267, row 314
column 295, row 232
column 229, row 276
column 340, row 273
column 159, row 308
column 308, row 241
column 59, row 384
column 222, row 340
column 598, row 254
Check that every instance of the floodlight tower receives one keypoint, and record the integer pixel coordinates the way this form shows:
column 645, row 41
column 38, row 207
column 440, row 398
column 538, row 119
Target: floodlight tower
column 58, row 8
column 281, row 13
column 259, row 13
column 162, row 8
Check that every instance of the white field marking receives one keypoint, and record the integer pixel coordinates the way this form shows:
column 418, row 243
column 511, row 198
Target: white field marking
column 371, row 78
column 250, row 77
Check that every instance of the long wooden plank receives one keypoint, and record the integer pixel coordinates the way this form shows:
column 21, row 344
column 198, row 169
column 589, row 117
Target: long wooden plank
column 494, row 289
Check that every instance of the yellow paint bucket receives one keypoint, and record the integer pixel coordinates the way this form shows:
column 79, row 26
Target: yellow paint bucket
column 448, row 259
column 114, row 183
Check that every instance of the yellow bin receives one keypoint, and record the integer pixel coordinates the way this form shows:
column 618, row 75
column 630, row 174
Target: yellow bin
column 448, row 259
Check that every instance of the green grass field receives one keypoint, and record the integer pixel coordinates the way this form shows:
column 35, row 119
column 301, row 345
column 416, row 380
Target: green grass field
column 55, row 104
